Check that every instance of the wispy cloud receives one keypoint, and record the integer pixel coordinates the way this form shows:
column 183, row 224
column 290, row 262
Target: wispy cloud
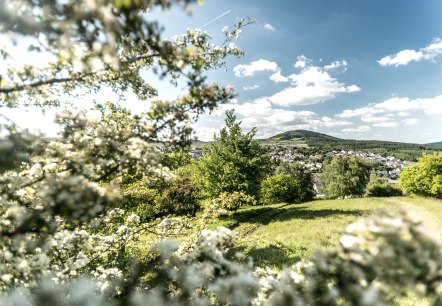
column 391, row 112
column 411, row 121
column 359, row 129
column 404, row 57
column 251, row 87
column 386, row 124
column 215, row 19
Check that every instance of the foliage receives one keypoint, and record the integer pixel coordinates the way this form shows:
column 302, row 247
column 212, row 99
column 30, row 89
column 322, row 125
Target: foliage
column 63, row 237
column 280, row 188
column 345, row 176
column 364, row 270
column 176, row 159
column 406, row 151
column 378, row 187
column 425, row 177
column 303, row 177
column 227, row 202
column 233, row 162
column 60, row 204
column 181, row 197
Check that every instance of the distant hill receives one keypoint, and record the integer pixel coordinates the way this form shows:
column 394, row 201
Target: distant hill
column 313, row 139
column 435, row 143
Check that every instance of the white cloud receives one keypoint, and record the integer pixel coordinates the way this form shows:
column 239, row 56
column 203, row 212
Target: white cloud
column 399, row 105
column 279, row 78
column 386, row 124
column 312, row 85
column 256, row 66
column 302, row 62
column 431, row 106
column 372, row 119
column 348, row 113
column 251, row 87
column 336, row 64
column 406, row 56
column 271, row 120
column 359, row 129
column 269, row 27
column 411, row 121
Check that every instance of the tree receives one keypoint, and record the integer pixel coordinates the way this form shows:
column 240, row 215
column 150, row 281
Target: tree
column 60, row 199
column 302, row 176
column 425, row 177
column 233, row 162
column 280, row 188
column 345, row 176
column 63, row 238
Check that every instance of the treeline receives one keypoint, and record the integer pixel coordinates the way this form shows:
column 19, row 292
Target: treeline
column 325, row 143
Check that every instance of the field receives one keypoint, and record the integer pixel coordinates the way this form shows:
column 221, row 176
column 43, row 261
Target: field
column 280, row 235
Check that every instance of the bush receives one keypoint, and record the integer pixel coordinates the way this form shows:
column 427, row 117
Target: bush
column 280, row 188
column 378, row 187
column 345, row 176
column 156, row 196
column 180, row 198
column 425, row 177
column 232, row 201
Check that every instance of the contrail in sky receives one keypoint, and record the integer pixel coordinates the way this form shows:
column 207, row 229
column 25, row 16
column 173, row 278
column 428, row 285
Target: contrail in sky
column 215, row 19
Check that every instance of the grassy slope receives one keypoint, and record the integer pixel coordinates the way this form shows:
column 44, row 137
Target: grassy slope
column 280, row 235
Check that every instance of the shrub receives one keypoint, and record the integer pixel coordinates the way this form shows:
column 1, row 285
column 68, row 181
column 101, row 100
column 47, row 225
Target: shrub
column 280, row 188
column 180, row 198
column 425, row 177
column 232, row 201
column 378, row 187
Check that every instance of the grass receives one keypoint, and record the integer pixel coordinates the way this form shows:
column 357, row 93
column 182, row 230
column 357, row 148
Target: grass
column 280, row 235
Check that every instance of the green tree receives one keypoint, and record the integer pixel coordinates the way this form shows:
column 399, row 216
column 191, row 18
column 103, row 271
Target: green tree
column 233, row 162
column 378, row 187
column 280, row 188
column 302, row 176
column 425, row 177
column 344, row 176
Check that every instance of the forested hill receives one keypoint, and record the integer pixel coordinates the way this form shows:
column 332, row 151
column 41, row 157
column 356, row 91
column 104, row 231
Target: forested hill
column 313, row 139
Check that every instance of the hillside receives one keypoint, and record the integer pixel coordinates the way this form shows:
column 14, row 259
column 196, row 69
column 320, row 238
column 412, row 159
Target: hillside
column 313, row 139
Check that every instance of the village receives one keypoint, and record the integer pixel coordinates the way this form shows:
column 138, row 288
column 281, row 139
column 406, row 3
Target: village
column 388, row 167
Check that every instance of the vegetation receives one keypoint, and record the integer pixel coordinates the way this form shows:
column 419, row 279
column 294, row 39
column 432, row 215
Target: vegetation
column 291, row 183
column 344, row 176
column 378, row 187
column 280, row 188
column 323, row 142
column 233, row 162
column 72, row 207
column 302, row 176
column 425, row 177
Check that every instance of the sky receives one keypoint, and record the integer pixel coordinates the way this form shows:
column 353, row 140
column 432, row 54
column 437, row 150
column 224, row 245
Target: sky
column 351, row 69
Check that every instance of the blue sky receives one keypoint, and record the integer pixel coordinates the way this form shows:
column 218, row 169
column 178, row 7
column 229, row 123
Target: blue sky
column 352, row 69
